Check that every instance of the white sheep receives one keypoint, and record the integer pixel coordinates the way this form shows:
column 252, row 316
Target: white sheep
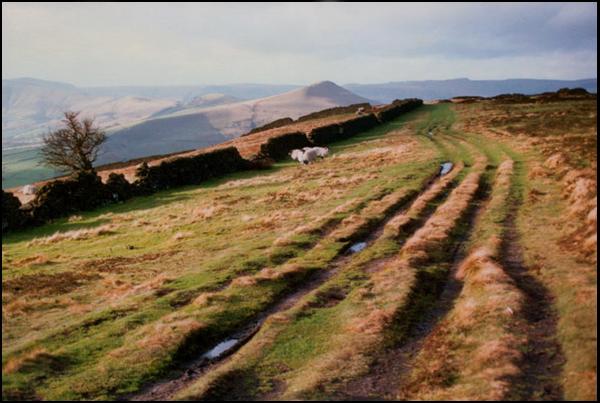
column 309, row 154
column 29, row 190
column 360, row 111
column 321, row 151
column 297, row 155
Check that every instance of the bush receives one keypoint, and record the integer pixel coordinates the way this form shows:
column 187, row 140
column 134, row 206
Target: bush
column 119, row 188
column 12, row 215
column 59, row 198
column 397, row 108
column 326, row 134
column 278, row 147
column 260, row 162
column 188, row 170
column 340, row 131
column 358, row 125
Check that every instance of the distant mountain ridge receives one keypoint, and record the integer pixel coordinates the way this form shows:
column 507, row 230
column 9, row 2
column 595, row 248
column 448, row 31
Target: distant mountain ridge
column 442, row 89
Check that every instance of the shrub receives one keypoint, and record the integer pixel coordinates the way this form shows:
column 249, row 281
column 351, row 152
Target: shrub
column 119, row 188
column 278, row 147
column 188, row 170
column 82, row 191
column 358, row 125
column 326, row 134
column 340, row 131
column 397, row 108
column 12, row 215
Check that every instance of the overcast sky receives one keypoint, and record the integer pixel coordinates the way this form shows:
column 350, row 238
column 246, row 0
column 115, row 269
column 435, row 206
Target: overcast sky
column 90, row 44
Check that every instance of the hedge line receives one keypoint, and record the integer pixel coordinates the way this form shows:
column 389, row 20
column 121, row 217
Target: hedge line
column 189, row 170
column 397, row 108
column 337, row 110
column 85, row 190
column 278, row 147
column 340, row 131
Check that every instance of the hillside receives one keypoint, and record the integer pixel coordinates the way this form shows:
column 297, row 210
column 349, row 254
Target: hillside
column 176, row 132
column 363, row 276
column 139, row 127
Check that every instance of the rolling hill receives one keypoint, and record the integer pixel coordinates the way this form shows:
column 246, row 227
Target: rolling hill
column 199, row 126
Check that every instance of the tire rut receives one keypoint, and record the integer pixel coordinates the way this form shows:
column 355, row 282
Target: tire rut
column 187, row 372
column 543, row 359
column 392, row 364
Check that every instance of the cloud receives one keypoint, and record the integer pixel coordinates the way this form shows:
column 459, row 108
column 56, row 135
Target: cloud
column 202, row 43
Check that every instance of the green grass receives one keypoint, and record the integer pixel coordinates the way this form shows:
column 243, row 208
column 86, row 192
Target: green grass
column 295, row 350
column 219, row 249
column 23, row 166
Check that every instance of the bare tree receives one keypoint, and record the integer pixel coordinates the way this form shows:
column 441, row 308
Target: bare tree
column 74, row 147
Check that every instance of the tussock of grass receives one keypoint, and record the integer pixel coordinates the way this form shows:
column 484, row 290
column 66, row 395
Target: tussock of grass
column 78, row 235
column 475, row 351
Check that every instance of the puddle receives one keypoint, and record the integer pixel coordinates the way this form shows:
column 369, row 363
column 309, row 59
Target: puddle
column 445, row 168
column 357, row 247
column 220, row 348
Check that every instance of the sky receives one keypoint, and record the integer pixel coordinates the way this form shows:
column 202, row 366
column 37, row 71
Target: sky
column 105, row 44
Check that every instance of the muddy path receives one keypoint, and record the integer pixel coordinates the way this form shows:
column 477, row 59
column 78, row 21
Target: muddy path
column 186, row 372
column 392, row 364
column 543, row 359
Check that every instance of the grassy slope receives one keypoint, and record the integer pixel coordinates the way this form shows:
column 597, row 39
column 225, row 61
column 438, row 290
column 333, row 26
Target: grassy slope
column 318, row 343
column 530, row 134
column 71, row 302
column 93, row 318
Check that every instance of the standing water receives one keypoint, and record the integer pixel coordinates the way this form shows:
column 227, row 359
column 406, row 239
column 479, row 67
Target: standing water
column 357, row 247
column 220, row 348
column 445, row 168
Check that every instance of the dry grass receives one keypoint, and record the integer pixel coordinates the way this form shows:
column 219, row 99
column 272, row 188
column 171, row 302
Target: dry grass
column 35, row 260
column 395, row 226
column 78, row 235
column 17, row 363
column 557, row 220
column 437, row 229
column 477, row 343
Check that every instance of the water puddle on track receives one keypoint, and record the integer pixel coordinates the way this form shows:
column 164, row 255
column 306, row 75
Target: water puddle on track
column 445, row 168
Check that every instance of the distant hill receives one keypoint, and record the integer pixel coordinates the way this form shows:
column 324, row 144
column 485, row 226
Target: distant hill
column 160, row 136
column 201, row 101
column 30, row 106
column 440, row 89
column 185, row 93
column 194, row 127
